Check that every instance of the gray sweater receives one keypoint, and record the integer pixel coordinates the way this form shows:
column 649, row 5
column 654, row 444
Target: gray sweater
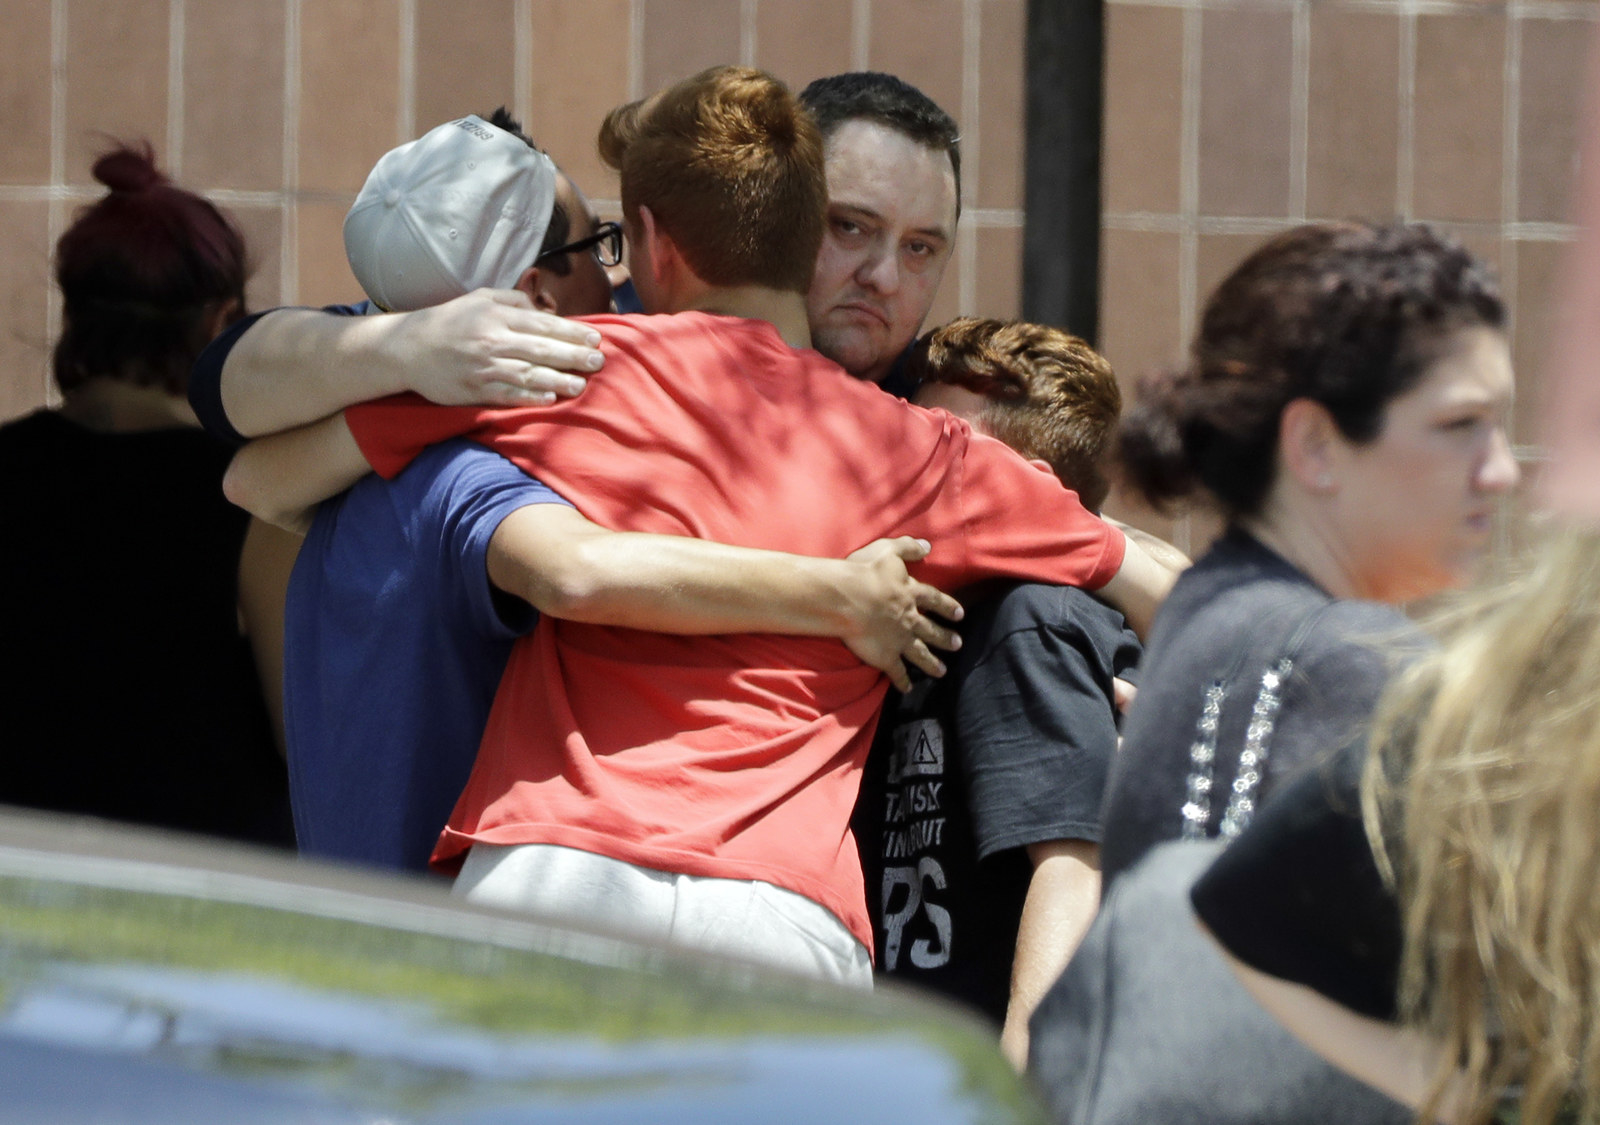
column 1148, row 1026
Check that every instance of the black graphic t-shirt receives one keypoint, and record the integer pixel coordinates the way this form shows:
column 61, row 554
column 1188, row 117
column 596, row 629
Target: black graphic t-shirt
column 1011, row 748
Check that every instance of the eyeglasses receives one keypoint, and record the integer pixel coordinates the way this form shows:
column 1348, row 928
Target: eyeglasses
column 606, row 242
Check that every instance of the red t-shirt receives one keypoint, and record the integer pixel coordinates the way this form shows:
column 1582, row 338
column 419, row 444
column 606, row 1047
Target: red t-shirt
column 730, row 756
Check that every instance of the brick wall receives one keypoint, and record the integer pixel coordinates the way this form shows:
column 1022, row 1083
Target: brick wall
column 1225, row 122
column 277, row 108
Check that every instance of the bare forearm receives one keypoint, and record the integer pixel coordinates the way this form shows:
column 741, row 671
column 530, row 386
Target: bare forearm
column 489, row 347
column 552, row 557
column 1397, row 1060
column 672, row 585
column 1157, row 548
column 282, row 478
column 264, row 565
column 1063, row 896
column 1141, row 585
column 295, row 366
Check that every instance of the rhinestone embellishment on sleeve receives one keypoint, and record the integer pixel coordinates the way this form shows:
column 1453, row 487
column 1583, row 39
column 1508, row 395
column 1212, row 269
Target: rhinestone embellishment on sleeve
column 1257, row 742
column 1202, row 763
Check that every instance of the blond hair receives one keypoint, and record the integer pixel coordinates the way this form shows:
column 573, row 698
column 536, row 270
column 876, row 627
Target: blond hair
column 1485, row 781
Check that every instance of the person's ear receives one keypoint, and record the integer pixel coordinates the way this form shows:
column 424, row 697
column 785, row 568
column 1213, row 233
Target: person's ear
column 1309, row 442
column 529, row 285
column 224, row 313
column 660, row 252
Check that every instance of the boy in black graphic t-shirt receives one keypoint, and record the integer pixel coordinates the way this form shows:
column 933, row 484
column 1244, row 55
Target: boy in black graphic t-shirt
column 979, row 817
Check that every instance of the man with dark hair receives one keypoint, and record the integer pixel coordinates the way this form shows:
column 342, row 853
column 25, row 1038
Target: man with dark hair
column 883, row 99
column 979, row 818
column 570, row 280
column 699, row 792
column 894, row 195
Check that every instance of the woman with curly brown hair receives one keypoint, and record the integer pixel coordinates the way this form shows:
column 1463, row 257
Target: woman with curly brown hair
column 1344, row 408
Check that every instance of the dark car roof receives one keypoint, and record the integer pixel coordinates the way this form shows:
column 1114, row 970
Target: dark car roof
column 152, row 977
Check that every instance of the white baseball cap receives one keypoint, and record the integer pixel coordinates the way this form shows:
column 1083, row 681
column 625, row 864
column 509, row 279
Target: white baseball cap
column 464, row 206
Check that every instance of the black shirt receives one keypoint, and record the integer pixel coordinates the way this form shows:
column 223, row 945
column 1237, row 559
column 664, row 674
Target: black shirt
column 1010, row 748
column 1298, row 895
column 130, row 692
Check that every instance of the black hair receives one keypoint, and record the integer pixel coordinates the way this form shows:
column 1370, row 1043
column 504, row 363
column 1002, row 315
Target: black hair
column 560, row 228
column 866, row 95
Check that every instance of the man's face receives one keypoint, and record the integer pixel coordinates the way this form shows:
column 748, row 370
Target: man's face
column 891, row 226
column 586, row 287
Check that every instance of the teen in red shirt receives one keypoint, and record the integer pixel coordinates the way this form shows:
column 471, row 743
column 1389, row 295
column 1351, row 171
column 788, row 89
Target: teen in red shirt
column 733, row 757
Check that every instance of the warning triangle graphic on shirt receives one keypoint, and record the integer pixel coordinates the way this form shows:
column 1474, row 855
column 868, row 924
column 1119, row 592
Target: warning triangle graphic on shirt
column 919, row 750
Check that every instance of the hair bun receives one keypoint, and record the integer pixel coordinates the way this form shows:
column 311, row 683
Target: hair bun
column 127, row 168
column 1151, row 448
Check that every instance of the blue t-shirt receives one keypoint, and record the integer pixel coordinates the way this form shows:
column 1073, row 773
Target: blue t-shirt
column 205, row 379
column 394, row 642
